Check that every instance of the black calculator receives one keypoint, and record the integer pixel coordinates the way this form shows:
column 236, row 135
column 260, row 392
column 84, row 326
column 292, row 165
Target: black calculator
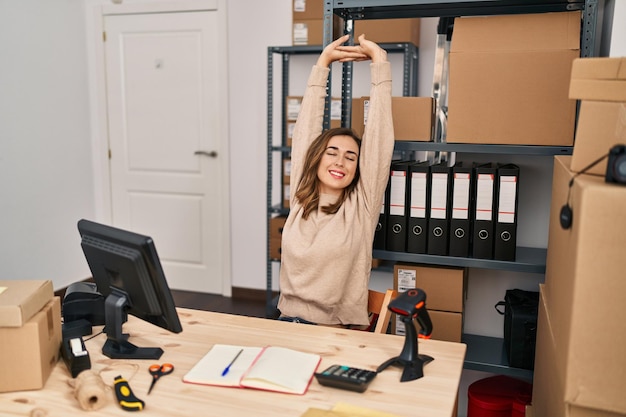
column 345, row 377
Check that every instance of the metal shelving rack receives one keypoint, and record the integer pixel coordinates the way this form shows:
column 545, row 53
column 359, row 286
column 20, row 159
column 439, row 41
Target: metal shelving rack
column 409, row 88
column 483, row 353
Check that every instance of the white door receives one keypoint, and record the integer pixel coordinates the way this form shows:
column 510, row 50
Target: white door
column 166, row 153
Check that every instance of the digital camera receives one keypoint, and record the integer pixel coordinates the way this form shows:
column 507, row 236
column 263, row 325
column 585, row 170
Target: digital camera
column 616, row 165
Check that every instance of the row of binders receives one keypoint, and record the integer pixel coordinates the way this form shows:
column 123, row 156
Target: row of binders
column 467, row 210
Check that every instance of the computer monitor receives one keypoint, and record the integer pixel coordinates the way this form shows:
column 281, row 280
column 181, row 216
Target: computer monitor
column 127, row 271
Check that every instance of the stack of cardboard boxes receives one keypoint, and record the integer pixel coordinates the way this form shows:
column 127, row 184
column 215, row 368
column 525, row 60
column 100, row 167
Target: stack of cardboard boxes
column 308, row 22
column 30, row 334
column 580, row 363
column 445, row 296
column 308, row 26
column 413, row 116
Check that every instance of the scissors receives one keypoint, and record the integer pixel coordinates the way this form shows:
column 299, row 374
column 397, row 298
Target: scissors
column 157, row 371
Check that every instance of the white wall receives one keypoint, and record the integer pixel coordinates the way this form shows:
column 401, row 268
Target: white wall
column 618, row 33
column 253, row 26
column 45, row 153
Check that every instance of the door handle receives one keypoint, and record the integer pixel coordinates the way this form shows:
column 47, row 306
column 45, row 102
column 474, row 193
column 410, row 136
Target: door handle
column 212, row 154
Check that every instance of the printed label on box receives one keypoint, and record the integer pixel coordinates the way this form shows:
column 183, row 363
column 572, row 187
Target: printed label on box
column 366, row 109
column 300, row 34
column 293, row 108
column 335, row 109
column 299, row 5
column 407, row 279
column 287, row 167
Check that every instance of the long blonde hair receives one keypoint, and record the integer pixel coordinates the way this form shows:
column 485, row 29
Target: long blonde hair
column 308, row 190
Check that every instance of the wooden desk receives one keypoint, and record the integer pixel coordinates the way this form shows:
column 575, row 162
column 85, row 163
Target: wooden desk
column 433, row 395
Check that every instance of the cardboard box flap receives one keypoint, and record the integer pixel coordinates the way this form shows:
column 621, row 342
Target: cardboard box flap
column 22, row 299
column 599, row 68
column 526, row 32
column 600, row 79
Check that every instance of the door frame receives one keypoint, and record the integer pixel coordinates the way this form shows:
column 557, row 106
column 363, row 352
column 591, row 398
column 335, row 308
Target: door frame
column 95, row 12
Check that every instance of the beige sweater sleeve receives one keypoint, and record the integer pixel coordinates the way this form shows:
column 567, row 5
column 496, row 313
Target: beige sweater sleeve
column 378, row 138
column 309, row 123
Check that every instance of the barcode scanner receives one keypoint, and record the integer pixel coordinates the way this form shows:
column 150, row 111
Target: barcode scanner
column 411, row 305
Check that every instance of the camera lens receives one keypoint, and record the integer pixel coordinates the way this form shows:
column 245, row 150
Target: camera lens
column 616, row 166
column 620, row 168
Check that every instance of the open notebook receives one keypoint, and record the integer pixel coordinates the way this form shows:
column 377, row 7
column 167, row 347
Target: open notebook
column 270, row 368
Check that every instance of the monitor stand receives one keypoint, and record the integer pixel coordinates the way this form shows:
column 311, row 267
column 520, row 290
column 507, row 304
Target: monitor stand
column 117, row 345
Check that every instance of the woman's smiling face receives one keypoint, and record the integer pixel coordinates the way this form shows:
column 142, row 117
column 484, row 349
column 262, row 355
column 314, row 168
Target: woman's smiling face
column 338, row 165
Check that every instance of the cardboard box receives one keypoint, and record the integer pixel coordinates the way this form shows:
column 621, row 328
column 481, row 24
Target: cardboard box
column 286, row 195
column 446, row 326
column 276, row 235
column 308, row 32
column 275, row 248
column 389, row 30
column 601, row 125
column 22, row 299
column 413, row 117
column 286, row 170
column 311, row 13
column 308, row 9
column 598, row 79
column 291, row 124
column 29, row 353
column 583, row 292
column 276, row 227
column 509, row 79
column 444, row 287
column 548, row 384
column 293, row 105
column 311, row 31
column 601, row 85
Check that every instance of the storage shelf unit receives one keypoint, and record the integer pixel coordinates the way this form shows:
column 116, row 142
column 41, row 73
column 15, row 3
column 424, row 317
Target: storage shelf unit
column 390, row 9
column 483, row 353
column 531, row 260
column 487, row 354
column 351, row 10
column 484, row 149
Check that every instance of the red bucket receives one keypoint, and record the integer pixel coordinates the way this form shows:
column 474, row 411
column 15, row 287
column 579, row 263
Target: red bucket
column 495, row 397
column 520, row 403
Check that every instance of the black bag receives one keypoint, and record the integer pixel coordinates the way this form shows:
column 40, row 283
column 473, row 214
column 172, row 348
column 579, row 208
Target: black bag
column 520, row 326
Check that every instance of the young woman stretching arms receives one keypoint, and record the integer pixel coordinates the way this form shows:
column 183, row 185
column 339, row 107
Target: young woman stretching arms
column 339, row 183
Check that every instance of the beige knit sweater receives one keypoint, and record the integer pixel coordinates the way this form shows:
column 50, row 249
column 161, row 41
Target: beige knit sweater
column 326, row 259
